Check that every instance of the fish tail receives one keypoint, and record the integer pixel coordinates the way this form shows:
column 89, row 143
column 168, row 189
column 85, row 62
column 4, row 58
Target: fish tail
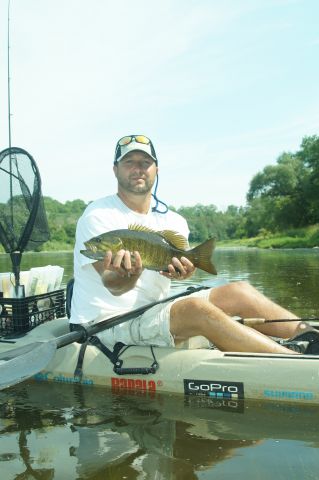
column 202, row 256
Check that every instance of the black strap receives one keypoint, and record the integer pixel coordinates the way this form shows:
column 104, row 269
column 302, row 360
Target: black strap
column 78, row 372
column 114, row 357
column 111, row 355
column 119, row 370
column 69, row 294
column 96, row 342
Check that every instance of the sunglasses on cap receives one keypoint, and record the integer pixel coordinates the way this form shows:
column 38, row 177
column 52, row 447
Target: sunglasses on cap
column 134, row 138
column 124, row 144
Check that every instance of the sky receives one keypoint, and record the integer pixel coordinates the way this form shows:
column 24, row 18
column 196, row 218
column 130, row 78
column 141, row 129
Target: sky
column 221, row 88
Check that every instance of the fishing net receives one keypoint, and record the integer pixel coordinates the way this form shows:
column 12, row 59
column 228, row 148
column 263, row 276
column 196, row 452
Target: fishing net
column 23, row 222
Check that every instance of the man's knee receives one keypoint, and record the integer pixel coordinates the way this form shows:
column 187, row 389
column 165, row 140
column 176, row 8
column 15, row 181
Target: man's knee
column 187, row 307
column 244, row 285
column 240, row 287
column 231, row 297
column 188, row 315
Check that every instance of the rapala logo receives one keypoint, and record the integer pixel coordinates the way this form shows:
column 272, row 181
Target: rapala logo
column 214, row 389
column 133, row 384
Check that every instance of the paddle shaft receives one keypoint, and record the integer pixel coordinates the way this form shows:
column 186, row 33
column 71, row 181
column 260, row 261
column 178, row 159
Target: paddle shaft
column 82, row 333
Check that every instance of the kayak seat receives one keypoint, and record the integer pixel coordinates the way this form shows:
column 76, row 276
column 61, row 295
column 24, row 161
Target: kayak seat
column 306, row 343
column 311, row 338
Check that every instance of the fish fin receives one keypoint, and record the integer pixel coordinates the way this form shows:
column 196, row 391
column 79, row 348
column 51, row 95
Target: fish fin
column 140, row 228
column 174, row 238
column 204, row 253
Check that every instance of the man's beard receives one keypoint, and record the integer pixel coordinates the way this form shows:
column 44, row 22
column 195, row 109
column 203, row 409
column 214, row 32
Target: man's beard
column 135, row 188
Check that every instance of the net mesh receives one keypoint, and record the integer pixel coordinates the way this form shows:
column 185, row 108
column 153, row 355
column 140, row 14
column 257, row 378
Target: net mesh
column 23, row 221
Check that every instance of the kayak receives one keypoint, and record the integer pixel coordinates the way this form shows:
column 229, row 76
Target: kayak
column 193, row 370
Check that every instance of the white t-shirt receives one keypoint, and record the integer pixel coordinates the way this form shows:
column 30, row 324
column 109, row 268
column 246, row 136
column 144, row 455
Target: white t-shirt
column 91, row 301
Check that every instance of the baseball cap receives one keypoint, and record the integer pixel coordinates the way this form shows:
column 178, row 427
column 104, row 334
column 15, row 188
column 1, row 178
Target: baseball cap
column 130, row 143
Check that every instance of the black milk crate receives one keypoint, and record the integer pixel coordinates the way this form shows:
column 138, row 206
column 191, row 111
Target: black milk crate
column 23, row 314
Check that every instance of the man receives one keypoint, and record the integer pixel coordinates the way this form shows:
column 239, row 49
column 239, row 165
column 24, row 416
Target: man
column 119, row 283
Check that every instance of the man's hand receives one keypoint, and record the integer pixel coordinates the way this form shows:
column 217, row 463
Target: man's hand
column 124, row 263
column 119, row 273
column 179, row 269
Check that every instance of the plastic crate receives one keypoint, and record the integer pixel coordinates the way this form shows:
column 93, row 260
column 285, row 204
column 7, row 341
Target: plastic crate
column 23, row 314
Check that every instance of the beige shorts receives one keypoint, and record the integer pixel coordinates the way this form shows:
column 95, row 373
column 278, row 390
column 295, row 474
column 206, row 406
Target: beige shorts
column 150, row 328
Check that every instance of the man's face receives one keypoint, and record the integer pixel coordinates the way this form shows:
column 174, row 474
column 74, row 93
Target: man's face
column 136, row 172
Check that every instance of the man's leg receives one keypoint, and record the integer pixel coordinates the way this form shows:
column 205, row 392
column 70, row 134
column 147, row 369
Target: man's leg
column 241, row 299
column 193, row 316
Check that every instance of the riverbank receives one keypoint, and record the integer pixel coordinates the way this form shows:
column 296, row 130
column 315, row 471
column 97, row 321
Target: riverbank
column 307, row 237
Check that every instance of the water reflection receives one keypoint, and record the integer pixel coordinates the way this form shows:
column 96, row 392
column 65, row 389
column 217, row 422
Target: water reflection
column 73, row 432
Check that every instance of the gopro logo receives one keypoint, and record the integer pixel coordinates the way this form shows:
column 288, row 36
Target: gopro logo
column 214, row 389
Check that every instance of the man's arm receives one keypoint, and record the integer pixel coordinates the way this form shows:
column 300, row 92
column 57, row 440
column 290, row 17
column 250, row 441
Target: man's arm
column 119, row 274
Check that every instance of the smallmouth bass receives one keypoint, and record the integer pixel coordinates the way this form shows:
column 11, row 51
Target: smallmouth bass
column 155, row 247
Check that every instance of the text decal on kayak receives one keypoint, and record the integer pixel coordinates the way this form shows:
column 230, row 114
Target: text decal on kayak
column 133, row 384
column 214, row 388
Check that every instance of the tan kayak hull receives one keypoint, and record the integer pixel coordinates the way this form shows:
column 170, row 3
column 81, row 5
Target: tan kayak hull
column 199, row 372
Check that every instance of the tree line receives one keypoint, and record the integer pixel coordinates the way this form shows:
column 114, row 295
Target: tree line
column 282, row 196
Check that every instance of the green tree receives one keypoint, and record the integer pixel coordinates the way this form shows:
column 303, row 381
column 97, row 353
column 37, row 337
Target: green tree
column 280, row 189
column 309, row 155
column 62, row 220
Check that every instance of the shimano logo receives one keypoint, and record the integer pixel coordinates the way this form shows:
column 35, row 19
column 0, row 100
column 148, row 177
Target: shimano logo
column 214, row 389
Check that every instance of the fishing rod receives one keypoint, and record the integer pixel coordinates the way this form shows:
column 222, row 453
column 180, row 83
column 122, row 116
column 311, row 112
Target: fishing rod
column 251, row 321
column 261, row 321
column 23, row 222
column 9, row 103
column 9, row 78
column 16, row 255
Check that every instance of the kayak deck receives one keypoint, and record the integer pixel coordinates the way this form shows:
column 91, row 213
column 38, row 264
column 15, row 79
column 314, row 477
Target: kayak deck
column 202, row 372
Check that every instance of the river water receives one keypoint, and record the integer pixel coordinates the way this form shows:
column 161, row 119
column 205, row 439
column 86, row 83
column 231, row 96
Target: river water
column 74, row 432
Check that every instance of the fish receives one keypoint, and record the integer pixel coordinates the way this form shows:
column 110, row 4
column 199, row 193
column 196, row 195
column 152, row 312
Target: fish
column 155, row 247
